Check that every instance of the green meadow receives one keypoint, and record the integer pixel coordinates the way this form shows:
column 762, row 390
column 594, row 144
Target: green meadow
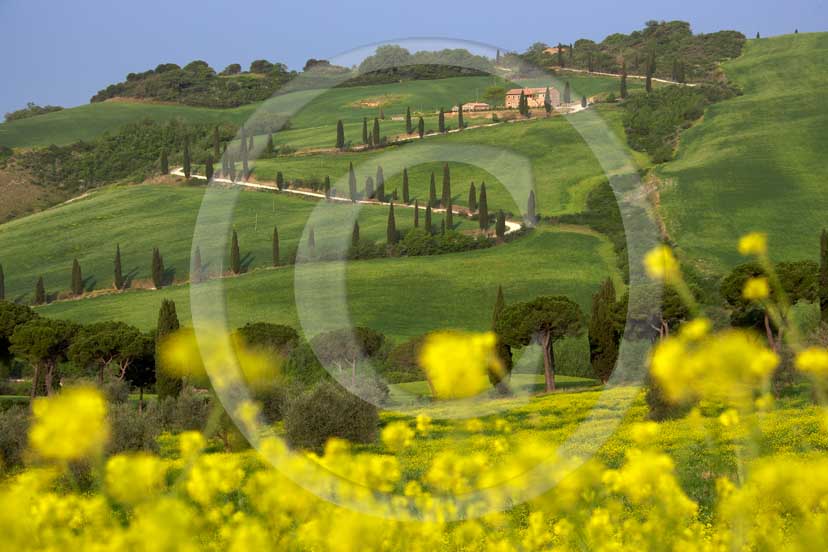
column 756, row 162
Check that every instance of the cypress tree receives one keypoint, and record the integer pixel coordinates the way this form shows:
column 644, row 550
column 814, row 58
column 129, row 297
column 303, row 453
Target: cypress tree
column 416, row 213
column 250, row 142
column 823, row 276
column 380, row 193
column 547, row 102
column 196, row 266
column 157, row 269
column 560, row 55
column 269, row 148
column 340, row 135
column 567, row 93
column 2, row 284
column 583, row 101
column 757, row 36
column 472, row 198
column 208, row 168
column 443, row 227
column 355, row 234
column 280, row 180
column 603, row 341
column 441, row 121
column 40, row 292
column 187, row 157
column 446, row 197
column 460, row 123
column 165, row 162
column 311, row 238
column 522, row 104
column 327, row 187
column 408, row 126
column 391, row 227
column 216, row 143
column 428, row 219
column 483, row 208
column 449, row 220
column 376, row 132
column 623, row 80
column 369, row 187
column 166, row 385
column 421, row 127
column 500, row 304
column 590, row 65
column 352, row 185
column 651, row 67
column 365, row 131
column 432, row 192
column 504, row 351
column 275, row 255
column 500, row 225
column 244, row 156
column 119, row 275
column 235, row 255
column 405, row 187
column 232, row 166
column 77, row 278
column 530, row 207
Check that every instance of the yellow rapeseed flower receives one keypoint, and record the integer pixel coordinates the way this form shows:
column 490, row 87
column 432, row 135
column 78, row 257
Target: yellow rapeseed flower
column 134, row 478
column 756, row 289
column 423, row 423
column 660, row 264
column 397, row 436
column 69, row 426
column 457, row 363
column 814, row 361
column 729, row 418
column 754, row 243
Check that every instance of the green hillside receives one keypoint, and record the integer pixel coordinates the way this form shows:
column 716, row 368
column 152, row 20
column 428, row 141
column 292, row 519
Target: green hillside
column 403, row 297
column 756, row 162
column 142, row 217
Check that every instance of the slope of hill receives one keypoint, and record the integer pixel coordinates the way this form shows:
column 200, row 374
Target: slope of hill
column 756, row 162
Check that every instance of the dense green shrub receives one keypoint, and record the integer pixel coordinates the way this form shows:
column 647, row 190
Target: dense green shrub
column 131, row 431
column 31, row 110
column 402, row 364
column 302, row 366
column 418, row 242
column 329, row 411
column 116, row 390
column 14, row 427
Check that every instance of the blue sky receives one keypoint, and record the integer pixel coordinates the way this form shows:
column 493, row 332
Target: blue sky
column 57, row 52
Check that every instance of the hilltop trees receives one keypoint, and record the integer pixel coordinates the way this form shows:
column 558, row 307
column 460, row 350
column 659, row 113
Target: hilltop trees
column 545, row 320
column 77, row 278
column 275, row 246
column 483, row 208
column 441, row 121
column 446, row 195
column 157, row 269
column 472, row 198
column 405, row 192
column 235, row 254
column 187, row 167
column 602, row 334
column 623, row 80
column 340, row 135
column 391, row 234
column 165, row 163
column 118, row 275
column 352, row 183
column 421, row 127
column 408, row 126
column 40, row 292
column 166, row 385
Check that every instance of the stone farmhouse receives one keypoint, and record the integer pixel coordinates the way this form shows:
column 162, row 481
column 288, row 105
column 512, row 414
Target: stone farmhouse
column 534, row 97
column 473, row 106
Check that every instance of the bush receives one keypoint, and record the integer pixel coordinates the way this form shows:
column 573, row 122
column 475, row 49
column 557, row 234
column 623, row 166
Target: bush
column 131, row 431
column 14, row 426
column 302, row 366
column 189, row 411
column 329, row 411
column 403, row 365
column 273, row 399
column 116, row 391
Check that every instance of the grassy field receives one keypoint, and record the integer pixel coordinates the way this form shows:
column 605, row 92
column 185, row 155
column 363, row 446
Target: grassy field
column 142, row 217
column 313, row 113
column 756, row 162
column 403, row 297
column 562, row 167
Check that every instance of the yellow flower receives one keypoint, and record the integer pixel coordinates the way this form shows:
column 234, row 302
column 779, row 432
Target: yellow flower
column 457, row 363
column 69, row 426
column 644, row 432
column 729, row 418
column 397, row 436
column 133, row 478
column 813, row 361
column 660, row 264
column 191, row 443
column 756, row 289
column 696, row 329
column 755, row 243
column 423, row 423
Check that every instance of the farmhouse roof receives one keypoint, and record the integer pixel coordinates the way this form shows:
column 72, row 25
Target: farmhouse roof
column 526, row 91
